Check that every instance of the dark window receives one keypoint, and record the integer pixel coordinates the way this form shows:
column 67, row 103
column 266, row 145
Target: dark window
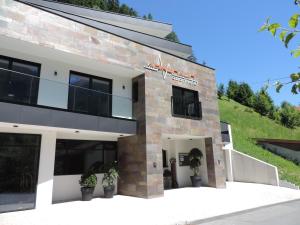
column 165, row 159
column 75, row 157
column 135, row 91
column 19, row 160
column 185, row 103
column 19, row 80
column 91, row 95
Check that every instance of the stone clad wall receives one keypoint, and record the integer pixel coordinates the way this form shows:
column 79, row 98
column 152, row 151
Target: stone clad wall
column 139, row 156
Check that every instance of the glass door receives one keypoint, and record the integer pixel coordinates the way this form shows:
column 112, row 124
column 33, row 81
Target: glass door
column 19, row 160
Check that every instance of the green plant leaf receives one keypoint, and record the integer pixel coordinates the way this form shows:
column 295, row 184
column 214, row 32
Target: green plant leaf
column 294, row 89
column 263, row 28
column 273, row 28
column 296, row 53
column 295, row 77
column 282, row 35
column 293, row 23
column 278, row 86
column 288, row 38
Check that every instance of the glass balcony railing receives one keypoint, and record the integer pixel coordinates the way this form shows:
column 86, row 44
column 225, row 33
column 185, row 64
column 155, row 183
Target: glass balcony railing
column 23, row 88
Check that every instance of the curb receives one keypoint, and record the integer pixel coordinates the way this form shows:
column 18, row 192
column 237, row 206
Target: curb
column 210, row 219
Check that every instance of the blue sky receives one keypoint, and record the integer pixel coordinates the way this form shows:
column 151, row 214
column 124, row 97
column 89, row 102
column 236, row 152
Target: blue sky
column 224, row 35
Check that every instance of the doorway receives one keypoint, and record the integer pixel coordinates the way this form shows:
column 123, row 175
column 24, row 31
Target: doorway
column 19, row 161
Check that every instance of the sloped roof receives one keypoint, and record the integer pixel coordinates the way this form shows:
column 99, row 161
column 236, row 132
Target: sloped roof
column 116, row 24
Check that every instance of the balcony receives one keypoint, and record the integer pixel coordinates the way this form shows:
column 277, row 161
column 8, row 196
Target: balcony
column 186, row 108
column 23, row 94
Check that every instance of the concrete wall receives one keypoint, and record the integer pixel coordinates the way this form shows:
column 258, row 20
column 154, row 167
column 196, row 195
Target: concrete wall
column 174, row 147
column 285, row 152
column 249, row 169
column 54, row 90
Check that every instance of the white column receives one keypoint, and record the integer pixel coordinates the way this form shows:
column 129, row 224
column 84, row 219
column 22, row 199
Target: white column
column 46, row 170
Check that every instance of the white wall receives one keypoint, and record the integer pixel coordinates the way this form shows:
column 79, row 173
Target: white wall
column 248, row 169
column 53, row 90
column 174, row 147
column 67, row 188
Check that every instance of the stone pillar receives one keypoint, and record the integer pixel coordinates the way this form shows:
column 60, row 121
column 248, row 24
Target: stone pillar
column 46, row 170
column 215, row 164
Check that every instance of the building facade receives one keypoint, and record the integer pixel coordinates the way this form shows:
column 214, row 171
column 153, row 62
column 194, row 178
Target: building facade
column 79, row 86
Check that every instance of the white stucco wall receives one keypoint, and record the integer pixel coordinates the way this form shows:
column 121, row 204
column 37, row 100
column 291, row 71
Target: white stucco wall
column 53, row 89
column 67, row 188
column 174, row 147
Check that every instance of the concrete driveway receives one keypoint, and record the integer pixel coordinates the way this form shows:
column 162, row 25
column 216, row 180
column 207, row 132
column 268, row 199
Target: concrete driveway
column 282, row 214
column 180, row 206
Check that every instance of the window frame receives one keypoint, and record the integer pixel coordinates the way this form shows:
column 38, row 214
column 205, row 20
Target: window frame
column 90, row 77
column 10, row 63
column 196, row 102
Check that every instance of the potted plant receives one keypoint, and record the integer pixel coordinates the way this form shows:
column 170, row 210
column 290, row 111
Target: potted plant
column 88, row 182
column 195, row 156
column 109, row 181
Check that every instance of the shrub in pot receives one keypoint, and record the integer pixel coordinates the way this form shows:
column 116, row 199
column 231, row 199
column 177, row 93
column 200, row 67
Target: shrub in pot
column 195, row 156
column 88, row 182
column 109, row 181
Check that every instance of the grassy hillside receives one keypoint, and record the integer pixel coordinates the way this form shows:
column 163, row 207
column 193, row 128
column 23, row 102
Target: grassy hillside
column 247, row 125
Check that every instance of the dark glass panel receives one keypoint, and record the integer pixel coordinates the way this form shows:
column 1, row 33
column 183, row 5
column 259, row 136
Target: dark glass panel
column 79, row 93
column 75, row 157
column 19, row 157
column 90, row 95
column 164, row 156
column 185, row 102
column 4, row 78
column 21, row 83
column 101, row 98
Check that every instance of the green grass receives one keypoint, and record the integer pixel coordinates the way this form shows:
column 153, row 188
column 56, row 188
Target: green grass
column 247, row 125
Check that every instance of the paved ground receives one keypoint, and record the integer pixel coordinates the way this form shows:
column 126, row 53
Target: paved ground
column 178, row 206
column 283, row 214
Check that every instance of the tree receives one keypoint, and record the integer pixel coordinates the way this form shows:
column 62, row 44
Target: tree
column 263, row 103
column 192, row 57
column 232, row 89
column 289, row 116
column 172, row 37
column 107, row 5
column 221, row 91
column 244, row 95
column 113, row 5
column 286, row 34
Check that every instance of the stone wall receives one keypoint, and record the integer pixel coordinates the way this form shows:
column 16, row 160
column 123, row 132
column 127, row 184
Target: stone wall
column 140, row 156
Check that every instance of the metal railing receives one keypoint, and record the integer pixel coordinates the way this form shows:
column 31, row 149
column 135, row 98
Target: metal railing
column 22, row 88
column 185, row 108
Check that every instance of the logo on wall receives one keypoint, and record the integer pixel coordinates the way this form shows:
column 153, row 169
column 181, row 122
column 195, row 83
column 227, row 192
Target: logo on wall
column 167, row 71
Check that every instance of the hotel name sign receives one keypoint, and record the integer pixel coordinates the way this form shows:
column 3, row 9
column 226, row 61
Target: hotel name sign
column 167, row 71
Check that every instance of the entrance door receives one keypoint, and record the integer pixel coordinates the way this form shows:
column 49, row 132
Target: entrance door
column 19, row 159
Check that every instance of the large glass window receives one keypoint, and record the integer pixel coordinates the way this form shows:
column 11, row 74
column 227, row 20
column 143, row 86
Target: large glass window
column 75, row 157
column 19, row 80
column 88, row 94
column 185, row 103
column 19, row 159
